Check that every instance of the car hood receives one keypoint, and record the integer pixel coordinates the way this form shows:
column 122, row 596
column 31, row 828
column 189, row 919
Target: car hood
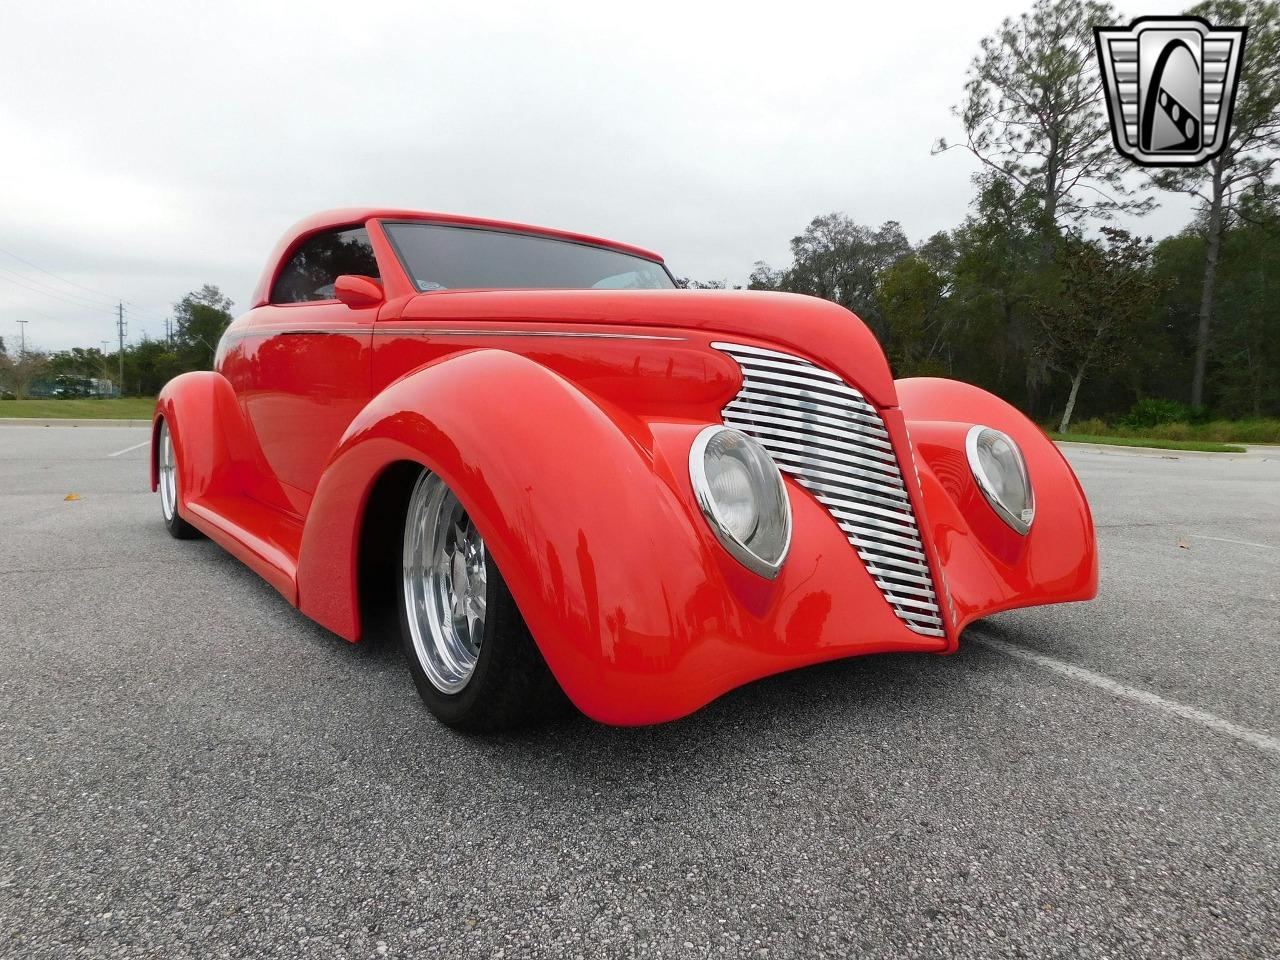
column 817, row 329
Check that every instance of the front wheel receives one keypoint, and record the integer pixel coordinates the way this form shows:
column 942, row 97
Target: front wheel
column 473, row 659
column 167, row 462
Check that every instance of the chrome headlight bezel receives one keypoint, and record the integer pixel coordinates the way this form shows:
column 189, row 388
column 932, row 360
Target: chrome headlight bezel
column 766, row 485
column 1019, row 520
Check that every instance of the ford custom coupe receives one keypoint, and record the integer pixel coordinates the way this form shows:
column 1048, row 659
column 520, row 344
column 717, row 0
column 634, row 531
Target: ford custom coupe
column 568, row 478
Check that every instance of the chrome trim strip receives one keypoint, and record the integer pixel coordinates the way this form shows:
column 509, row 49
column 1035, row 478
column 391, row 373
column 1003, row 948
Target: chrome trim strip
column 804, row 370
column 569, row 334
column 927, row 626
column 845, row 465
column 915, row 583
column 827, row 413
column 825, row 491
column 428, row 332
column 790, row 378
column 815, row 439
column 909, row 560
column 891, row 520
column 831, row 440
column 772, row 393
column 816, row 373
column 864, row 478
column 906, row 547
column 811, row 426
column 920, row 599
column 905, row 582
column 927, row 606
column 898, row 563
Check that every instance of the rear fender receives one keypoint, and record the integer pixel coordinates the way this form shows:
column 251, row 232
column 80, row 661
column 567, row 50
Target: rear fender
column 986, row 566
column 208, row 434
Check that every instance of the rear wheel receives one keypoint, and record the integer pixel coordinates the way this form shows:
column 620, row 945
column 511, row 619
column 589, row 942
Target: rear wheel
column 473, row 660
column 167, row 462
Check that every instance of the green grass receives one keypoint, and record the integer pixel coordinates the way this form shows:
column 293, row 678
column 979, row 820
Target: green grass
column 125, row 408
column 1261, row 430
column 1207, row 446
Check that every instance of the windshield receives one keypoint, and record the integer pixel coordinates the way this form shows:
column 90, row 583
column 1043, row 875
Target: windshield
column 451, row 258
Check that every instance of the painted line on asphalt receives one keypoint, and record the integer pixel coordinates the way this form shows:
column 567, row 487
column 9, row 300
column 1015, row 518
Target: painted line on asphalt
column 1135, row 694
column 1243, row 543
column 136, row 446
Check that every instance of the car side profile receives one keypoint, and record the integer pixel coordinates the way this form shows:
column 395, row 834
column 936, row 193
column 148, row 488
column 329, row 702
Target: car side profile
column 567, row 478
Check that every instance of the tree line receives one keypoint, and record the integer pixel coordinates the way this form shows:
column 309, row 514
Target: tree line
column 199, row 319
column 1038, row 296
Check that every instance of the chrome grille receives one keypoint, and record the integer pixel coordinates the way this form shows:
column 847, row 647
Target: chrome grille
column 825, row 434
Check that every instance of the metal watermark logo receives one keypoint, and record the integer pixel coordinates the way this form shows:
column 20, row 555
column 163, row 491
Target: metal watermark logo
column 1170, row 84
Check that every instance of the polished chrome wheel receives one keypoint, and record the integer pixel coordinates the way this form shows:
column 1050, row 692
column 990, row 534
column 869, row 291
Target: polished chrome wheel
column 445, row 585
column 168, row 474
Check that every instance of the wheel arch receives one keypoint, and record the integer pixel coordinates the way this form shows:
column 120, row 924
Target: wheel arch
column 378, row 546
column 156, row 418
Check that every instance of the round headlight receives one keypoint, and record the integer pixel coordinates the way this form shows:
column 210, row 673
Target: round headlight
column 740, row 492
column 1001, row 472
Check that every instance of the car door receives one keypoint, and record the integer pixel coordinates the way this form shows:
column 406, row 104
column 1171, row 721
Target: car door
column 308, row 370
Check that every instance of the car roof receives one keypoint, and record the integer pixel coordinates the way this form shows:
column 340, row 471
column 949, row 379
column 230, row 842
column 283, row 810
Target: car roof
column 350, row 216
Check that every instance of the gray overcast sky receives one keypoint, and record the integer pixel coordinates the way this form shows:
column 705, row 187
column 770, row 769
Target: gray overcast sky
column 151, row 148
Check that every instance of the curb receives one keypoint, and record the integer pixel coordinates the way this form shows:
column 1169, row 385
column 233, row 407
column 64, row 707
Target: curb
column 59, row 422
column 1115, row 448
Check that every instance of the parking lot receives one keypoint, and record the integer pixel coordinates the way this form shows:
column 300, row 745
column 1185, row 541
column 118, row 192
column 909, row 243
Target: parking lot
column 188, row 767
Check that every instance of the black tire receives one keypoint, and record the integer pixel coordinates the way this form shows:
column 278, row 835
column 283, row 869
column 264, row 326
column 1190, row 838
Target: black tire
column 511, row 685
column 178, row 528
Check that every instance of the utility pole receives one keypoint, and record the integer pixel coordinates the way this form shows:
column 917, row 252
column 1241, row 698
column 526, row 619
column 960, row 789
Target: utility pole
column 22, row 337
column 120, row 331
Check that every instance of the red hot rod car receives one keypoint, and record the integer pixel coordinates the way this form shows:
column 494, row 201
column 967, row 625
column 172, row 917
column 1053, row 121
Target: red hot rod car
column 571, row 478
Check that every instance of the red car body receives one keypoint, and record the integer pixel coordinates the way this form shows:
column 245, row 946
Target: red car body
column 563, row 421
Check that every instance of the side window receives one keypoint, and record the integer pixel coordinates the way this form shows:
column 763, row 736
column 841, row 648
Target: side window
column 310, row 272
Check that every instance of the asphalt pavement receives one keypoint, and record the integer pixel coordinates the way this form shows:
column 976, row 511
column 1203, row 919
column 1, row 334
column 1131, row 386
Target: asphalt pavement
column 189, row 768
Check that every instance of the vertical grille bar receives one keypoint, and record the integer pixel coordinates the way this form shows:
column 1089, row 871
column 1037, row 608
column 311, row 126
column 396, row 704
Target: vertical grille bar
column 825, row 434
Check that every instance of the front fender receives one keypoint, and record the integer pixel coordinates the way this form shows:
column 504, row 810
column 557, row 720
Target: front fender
column 589, row 514
column 986, row 566
column 565, row 494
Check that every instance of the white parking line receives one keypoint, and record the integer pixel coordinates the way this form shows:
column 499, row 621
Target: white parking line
column 1243, row 543
column 136, row 446
column 1145, row 697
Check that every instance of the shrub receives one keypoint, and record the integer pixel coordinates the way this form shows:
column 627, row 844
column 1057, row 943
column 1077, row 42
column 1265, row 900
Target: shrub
column 1155, row 411
column 1094, row 427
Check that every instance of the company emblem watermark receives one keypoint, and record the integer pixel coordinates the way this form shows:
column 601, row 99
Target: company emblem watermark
column 1170, row 84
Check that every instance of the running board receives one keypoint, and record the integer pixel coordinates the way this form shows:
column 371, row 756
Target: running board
column 262, row 538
